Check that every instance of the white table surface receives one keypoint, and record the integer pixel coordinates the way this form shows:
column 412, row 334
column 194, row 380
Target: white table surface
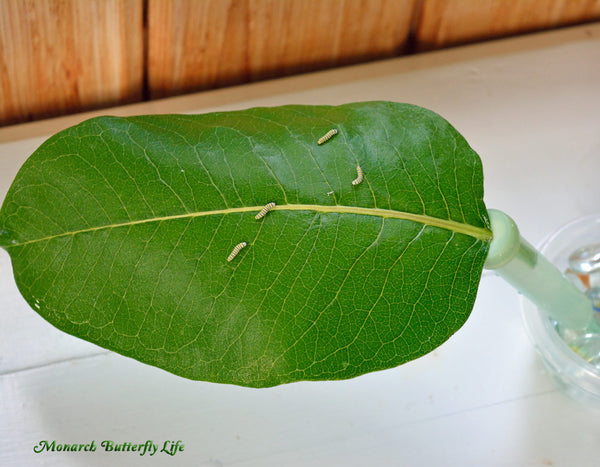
column 531, row 108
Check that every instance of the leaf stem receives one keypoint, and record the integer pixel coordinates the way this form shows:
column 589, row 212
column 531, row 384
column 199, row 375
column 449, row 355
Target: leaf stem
column 523, row 267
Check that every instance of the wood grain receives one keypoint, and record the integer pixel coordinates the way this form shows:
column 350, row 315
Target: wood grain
column 64, row 56
column 451, row 22
column 201, row 44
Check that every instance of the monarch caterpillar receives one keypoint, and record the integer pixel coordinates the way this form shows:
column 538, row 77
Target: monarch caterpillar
column 359, row 175
column 327, row 136
column 236, row 250
column 263, row 212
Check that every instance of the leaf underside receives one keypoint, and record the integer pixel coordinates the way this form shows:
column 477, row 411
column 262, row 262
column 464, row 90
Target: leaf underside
column 119, row 231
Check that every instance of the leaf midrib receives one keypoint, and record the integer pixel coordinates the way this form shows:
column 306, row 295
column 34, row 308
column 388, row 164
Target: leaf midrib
column 479, row 233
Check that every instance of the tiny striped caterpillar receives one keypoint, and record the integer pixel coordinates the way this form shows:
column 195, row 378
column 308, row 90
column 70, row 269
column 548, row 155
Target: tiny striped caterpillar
column 359, row 175
column 236, row 250
column 327, row 136
column 263, row 212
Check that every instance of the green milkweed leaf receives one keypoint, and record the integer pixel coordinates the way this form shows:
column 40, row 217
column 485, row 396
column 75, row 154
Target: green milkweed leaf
column 119, row 231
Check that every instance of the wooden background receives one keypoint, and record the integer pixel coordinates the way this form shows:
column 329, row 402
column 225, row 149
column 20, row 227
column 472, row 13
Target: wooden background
column 65, row 56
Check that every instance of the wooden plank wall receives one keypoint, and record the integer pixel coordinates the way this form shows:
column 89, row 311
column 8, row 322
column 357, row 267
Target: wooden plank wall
column 200, row 44
column 451, row 22
column 62, row 56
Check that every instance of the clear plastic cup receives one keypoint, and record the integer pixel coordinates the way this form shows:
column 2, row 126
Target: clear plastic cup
column 578, row 377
